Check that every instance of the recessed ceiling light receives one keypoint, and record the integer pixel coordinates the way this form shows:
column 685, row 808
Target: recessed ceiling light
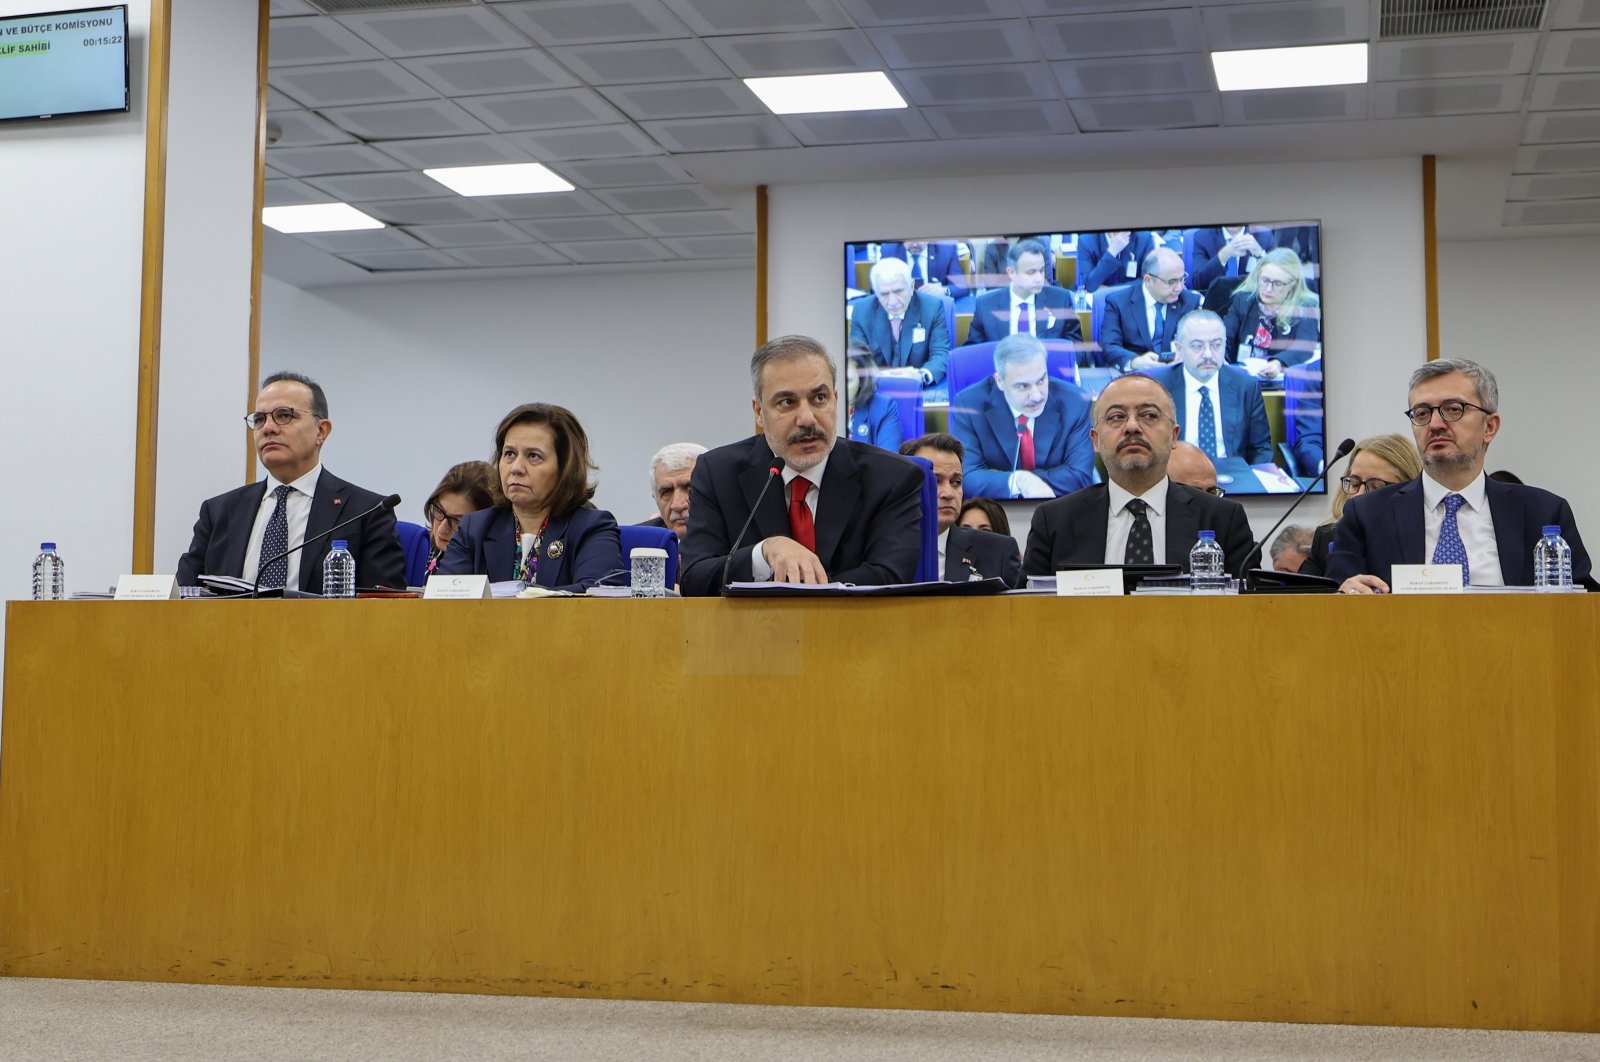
column 1277, row 68
column 317, row 217
column 515, row 178
column 822, row 93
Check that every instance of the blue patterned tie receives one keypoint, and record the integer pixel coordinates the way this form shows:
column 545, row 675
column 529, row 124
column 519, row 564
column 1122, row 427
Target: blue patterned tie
column 1208, row 424
column 275, row 541
column 1450, row 549
column 1161, row 326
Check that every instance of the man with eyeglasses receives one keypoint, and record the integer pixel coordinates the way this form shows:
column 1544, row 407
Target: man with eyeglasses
column 1220, row 408
column 1190, row 466
column 1140, row 320
column 241, row 530
column 1452, row 513
column 1141, row 516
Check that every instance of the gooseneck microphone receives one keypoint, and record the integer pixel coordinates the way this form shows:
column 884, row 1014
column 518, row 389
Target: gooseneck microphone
column 774, row 473
column 1338, row 455
column 391, row 502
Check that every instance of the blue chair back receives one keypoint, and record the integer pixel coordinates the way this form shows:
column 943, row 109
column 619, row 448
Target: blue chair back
column 635, row 535
column 907, row 396
column 970, row 364
column 928, row 563
column 1097, row 310
column 416, row 543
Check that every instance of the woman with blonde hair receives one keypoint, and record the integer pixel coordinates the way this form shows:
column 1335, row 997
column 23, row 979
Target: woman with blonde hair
column 1273, row 315
column 1377, row 462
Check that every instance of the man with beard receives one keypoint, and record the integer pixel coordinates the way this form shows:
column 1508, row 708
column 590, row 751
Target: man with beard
column 1140, row 516
column 1219, row 405
column 844, row 512
column 1452, row 513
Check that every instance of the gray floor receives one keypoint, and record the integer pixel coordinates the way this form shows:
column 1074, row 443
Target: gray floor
column 125, row 1020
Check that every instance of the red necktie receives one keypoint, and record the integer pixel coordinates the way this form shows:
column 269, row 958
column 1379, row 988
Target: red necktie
column 1024, row 444
column 801, row 529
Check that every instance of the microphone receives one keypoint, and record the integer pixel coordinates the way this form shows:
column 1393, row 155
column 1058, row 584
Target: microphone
column 774, row 473
column 1327, row 466
column 387, row 504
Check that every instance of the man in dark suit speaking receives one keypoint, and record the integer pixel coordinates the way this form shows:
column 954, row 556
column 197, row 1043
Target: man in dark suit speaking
column 965, row 553
column 1140, row 516
column 239, row 531
column 1452, row 513
column 844, row 511
column 1219, row 406
column 1027, row 305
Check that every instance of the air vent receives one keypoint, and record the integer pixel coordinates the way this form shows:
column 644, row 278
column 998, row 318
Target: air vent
column 1448, row 18
column 358, row 7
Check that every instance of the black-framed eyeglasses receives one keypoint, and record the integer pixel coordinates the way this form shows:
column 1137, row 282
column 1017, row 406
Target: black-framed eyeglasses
column 1217, row 492
column 1355, row 484
column 1449, row 411
column 1171, row 282
column 282, row 415
column 452, row 522
column 1148, row 418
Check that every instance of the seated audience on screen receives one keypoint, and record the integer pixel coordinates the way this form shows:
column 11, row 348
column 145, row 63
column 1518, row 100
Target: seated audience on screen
column 1108, row 259
column 1189, row 465
column 466, row 488
column 1220, row 408
column 984, row 514
column 1027, row 305
column 937, row 269
column 1274, row 316
column 844, row 511
column 1377, row 462
column 964, row 553
column 1140, row 320
column 903, row 327
column 1452, row 513
column 240, row 531
column 670, row 469
column 541, row 530
column 869, row 416
column 992, row 272
column 1026, row 435
column 1290, row 549
column 1231, row 251
column 1140, row 517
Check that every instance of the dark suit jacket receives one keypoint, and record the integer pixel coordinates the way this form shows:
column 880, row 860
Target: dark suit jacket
column 1063, row 456
column 1201, row 255
column 991, row 316
column 1125, row 329
column 869, row 324
column 877, row 423
column 1385, row 528
column 943, row 262
column 1302, row 416
column 578, row 550
column 1316, row 562
column 868, row 524
column 1072, row 530
column 970, row 550
column 222, row 534
column 1296, row 345
column 1244, row 415
column 1096, row 268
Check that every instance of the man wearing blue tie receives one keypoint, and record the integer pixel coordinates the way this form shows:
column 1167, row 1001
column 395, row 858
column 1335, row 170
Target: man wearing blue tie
column 1141, row 319
column 1452, row 513
column 1219, row 405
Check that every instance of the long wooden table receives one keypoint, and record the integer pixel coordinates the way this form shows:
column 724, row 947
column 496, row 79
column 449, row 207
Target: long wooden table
column 1379, row 811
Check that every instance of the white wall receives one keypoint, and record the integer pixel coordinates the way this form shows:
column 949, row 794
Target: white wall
column 1525, row 309
column 419, row 375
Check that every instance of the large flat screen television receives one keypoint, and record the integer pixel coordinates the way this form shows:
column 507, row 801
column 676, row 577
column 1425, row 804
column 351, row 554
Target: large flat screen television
column 63, row 63
column 1005, row 340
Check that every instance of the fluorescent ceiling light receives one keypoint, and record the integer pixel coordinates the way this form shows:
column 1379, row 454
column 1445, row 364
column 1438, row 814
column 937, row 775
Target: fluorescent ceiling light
column 516, row 178
column 318, row 217
column 821, row 93
column 1279, row 68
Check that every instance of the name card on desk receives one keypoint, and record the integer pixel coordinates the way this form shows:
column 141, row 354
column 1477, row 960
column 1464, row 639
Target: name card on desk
column 147, row 588
column 1093, row 582
column 1425, row 579
column 456, row 588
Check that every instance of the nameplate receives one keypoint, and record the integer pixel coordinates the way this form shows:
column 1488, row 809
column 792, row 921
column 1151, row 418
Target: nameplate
column 456, row 588
column 1092, row 582
column 147, row 588
column 1425, row 579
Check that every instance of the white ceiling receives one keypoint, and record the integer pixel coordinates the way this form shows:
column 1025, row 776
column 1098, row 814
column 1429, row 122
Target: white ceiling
column 639, row 104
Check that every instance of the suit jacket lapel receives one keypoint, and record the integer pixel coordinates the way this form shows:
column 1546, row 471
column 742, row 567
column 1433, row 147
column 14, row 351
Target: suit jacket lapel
column 1004, row 426
column 773, row 517
column 555, row 566
column 1233, row 412
column 1090, row 525
column 841, row 487
column 327, row 509
column 1409, row 529
column 955, row 548
column 500, row 546
column 1183, row 524
column 1505, row 508
column 243, row 522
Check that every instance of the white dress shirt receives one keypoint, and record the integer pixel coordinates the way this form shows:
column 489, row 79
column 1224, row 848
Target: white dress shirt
column 297, row 510
column 1121, row 522
column 760, row 570
column 1473, row 520
column 1191, row 390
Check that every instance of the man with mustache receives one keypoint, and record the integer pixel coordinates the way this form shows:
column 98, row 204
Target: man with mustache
column 1452, row 513
column 1219, row 405
column 1140, row 516
column 844, row 512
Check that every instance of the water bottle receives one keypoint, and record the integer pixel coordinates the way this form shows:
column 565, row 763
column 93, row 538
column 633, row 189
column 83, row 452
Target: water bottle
column 49, row 574
column 339, row 571
column 1206, row 574
column 1552, row 561
column 1080, row 300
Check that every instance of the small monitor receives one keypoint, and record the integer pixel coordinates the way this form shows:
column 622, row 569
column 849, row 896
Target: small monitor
column 64, row 63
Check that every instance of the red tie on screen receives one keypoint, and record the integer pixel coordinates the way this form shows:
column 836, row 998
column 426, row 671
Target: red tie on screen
column 801, row 529
column 1024, row 444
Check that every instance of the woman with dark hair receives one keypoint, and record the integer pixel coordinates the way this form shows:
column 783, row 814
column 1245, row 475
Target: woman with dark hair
column 869, row 416
column 541, row 529
column 985, row 514
column 466, row 488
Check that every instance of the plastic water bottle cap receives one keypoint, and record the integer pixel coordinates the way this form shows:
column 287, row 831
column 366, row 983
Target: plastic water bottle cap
column 647, row 552
column 1552, row 529
column 47, row 546
column 1208, row 536
column 340, row 543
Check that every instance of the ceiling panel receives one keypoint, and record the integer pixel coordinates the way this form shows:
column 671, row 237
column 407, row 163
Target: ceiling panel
column 358, row 188
column 902, row 12
column 304, row 41
column 305, row 129
column 1131, row 33
column 958, row 44
column 341, row 158
column 693, row 223
column 401, row 261
column 712, row 246
column 778, row 55
column 1135, row 76
column 615, row 251
column 1562, row 92
column 979, row 84
column 1000, row 119
column 721, row 17
column 446, row 210
column 692, row 99
column 1285, row 25
column 660, row 200
column 617, row 173
column 436, row 32
column 721, row 134
column 1145, row 112
column 547, row 205
column 471, row 234
column 290, row 8
column 286, row 191
column 1461, row 57
column 858, row 127
column 431, row 152
column 1574, row 14
column 597, row 227
column 405, row 121
column 1557, row 158
column 1570, row 212
column 553, row 22
column 640, row 62
column 1570, row 52
column 559, row 108
column 1426, row 99
column 485, row 73
column 595, row 142
column 1334, row 103
column 1555, row 186
column 362, row 240
column 1557, row 126
column 350, row 83
column 523, row 254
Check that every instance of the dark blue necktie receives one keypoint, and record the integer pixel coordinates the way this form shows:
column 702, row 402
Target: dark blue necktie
column 1208, row 424
column 1161, row 324
column 275, row 541
column 1024, row 319
column 1450, row 549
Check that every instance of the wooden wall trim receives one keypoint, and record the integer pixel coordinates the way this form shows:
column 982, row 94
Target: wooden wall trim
column 761, row 264
column 1430, row 251
column 253, row 369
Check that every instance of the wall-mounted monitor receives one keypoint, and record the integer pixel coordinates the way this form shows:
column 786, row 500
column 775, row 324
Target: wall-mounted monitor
column 64, row 63
column 1005, row 340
